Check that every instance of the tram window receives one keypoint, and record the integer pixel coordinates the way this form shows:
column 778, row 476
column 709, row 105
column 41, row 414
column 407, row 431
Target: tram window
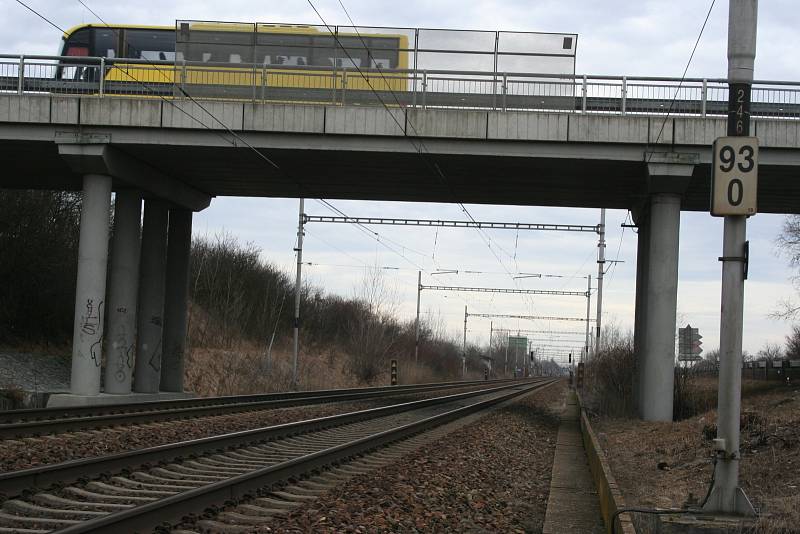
column 297, row 61
column 105, row 43
column 347, row 62
column 150, row 44
column 78, row 43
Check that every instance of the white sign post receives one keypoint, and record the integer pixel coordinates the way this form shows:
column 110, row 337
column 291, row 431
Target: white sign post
column 734, row 182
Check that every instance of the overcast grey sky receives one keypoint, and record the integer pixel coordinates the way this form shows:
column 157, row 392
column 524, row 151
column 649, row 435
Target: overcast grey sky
column 615, row 37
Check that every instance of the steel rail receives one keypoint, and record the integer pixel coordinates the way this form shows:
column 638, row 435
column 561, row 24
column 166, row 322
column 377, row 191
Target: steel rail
column 16, row 482
column 175, row 508
column 90, row 417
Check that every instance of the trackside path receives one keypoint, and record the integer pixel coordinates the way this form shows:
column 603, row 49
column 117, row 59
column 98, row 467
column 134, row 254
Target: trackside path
column 572, row 505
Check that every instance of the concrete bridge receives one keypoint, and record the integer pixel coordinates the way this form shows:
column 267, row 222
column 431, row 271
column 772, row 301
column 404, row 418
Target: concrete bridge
column 178, row 153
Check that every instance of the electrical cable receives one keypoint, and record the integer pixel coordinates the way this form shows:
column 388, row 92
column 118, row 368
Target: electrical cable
column 417, row 146
column 683, row 76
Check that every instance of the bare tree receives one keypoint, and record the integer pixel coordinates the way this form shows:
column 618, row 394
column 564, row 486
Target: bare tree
column 373, row 331
column 770, row 352
column 789, row 243
column 793, row 343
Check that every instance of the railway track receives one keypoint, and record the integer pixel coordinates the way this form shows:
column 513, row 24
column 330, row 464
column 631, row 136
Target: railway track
column 35, row 422
column 140, row 490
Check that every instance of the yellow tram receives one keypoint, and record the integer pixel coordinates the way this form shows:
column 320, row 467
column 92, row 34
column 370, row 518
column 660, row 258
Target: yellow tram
column 244, row 57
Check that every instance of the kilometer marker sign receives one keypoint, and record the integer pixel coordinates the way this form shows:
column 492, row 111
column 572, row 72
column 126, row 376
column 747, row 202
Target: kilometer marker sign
column 734, row 176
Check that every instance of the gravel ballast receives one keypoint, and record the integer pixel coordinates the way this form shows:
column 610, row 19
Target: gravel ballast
column 490, row 476
column 30, row 452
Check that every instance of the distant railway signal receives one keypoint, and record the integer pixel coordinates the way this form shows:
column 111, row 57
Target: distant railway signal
column 689, row 344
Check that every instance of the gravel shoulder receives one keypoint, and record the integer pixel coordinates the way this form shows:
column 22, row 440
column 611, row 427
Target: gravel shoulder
column 660, row 464
column 30, row 452
column 490, row 476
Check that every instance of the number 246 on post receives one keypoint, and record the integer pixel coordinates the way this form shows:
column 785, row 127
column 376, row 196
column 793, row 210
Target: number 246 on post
column 734, row 176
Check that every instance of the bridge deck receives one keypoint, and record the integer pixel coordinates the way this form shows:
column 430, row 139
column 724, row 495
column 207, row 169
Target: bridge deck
column 370, row 153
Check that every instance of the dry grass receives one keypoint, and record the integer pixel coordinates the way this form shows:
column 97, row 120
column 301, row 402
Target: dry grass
column 661, row 464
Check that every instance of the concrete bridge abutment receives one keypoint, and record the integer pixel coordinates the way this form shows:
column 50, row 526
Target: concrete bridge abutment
column 657, row 283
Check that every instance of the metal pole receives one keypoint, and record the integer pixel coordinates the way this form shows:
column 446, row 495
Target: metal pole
column 726, row 496
column 416, row 321
column 588, row 312
column 299, row 250
column 464, row 353
column 506, row 364
column 491, row 328
column 601, row 268
column 21, row 75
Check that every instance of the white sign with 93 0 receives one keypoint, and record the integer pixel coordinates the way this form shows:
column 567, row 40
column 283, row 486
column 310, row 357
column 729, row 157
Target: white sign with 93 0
column 734, row 176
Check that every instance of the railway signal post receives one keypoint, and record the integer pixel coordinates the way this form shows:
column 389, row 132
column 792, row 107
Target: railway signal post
column 734, row 176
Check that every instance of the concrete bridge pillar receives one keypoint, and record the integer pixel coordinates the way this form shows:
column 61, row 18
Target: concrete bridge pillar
column 123, row 292
column 660, row 305
column 176, row 296
column 90, row 292
column 151, row 297
column 668, row 178
column 642, row 221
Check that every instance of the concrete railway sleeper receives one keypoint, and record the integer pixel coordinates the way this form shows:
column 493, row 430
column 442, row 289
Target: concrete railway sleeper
column 140, row 490
column 33, row 422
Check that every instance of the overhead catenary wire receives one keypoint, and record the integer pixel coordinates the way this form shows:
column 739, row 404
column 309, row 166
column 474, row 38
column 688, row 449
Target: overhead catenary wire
column 238, row 139
column 419, row 146
column 683, row 77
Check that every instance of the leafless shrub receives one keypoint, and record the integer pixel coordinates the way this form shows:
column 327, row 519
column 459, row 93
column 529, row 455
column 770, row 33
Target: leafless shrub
column 609, row 374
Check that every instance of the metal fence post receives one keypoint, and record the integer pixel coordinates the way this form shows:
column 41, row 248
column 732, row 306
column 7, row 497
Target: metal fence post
column 704, row 97
column 505, row 89
column 624, row 103
column 183, row 77
column 344, row 86
column 583, row 92
column 21, row 75
column 263, row 83
column 102, row 76
column 424, row 89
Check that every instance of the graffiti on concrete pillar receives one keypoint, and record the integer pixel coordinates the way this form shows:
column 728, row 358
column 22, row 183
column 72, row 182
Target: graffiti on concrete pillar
column 123, row 354
column 95, row 351
column 91, row 322
column 155, row 357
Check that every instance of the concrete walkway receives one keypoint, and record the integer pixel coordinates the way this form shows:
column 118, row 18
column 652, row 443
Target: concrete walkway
column 572, row 505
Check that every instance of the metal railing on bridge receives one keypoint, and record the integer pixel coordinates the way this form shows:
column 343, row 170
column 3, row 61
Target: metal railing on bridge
column 394, row 88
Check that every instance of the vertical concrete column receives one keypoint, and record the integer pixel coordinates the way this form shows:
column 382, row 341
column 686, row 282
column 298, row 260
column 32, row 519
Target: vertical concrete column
column 123, row 292
column 657, row 370
column 642, row 253
column 176, row 296
column 90, row 292
column 151, row 297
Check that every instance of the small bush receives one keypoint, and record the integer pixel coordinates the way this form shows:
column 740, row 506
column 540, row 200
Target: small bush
column 609, row 375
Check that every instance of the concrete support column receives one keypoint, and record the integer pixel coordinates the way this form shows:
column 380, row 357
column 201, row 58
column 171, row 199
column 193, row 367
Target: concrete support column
column 90, row 292
column 151, row 297
column 658, row 363
column 642, row 256
column 123, row 292
column 176, row 297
